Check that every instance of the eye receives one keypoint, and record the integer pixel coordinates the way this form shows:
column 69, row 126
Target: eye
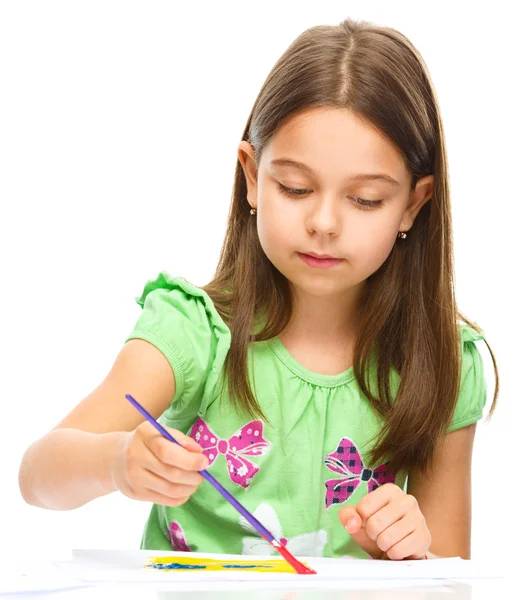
column 297, row 193
column 367, row 204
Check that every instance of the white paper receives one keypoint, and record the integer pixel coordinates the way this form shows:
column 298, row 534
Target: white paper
column 239, row 590
column 128, row 566
column 35, row 576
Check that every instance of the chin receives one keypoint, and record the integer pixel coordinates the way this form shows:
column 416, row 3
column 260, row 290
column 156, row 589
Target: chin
column 321, row 285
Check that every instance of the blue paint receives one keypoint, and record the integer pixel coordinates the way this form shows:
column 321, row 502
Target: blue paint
column 177, row 566
column 183, row 566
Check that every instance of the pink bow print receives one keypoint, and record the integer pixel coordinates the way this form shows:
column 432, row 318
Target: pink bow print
column 176, row 536
column 247, row 441
column 346, row 460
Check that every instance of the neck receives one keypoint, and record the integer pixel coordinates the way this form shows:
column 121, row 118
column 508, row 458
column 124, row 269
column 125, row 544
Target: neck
column 324, row 318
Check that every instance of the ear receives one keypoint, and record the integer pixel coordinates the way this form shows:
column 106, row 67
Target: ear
column 246, row 156
column 421, row 194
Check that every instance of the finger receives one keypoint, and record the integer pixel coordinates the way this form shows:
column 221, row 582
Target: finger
column 382, row 519
column 350, row 518
column 185, row 441
column 173, row 474
column 359, row 535
column 408, row 547
column 151, row 496
column 392, row 535
column 149, row 431
column 174, row 455
column 377, row 499
column 170, row 489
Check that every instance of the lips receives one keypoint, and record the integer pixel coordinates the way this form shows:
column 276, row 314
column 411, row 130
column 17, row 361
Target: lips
column 319, row 263
column 320, row 255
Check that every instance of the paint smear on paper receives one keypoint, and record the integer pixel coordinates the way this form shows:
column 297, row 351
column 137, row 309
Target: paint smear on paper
column 189, row 563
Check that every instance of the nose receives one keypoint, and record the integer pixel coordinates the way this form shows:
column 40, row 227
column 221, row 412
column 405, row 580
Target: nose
column 324, row 218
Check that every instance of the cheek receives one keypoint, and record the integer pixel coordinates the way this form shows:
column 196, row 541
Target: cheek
column 274, row 229
column 372, row 245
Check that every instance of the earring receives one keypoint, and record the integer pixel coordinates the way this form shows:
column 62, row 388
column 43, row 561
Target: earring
column 253, row 211
column 402, row 235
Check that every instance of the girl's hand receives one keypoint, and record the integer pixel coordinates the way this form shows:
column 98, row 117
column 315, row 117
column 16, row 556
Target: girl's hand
column 150, row 468
column 388, row 524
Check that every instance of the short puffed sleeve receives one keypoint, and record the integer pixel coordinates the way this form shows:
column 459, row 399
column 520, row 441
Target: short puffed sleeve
column 473, row 386
column 181, row 320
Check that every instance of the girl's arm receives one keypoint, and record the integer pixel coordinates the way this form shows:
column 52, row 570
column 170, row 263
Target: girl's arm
column 72, row 464
column 444, row 495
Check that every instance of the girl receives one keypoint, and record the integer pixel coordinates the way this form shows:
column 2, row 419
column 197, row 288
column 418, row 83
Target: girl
column 323, row 375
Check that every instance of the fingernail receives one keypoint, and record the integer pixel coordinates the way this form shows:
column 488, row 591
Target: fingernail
column 204, row 463
column 350, row 524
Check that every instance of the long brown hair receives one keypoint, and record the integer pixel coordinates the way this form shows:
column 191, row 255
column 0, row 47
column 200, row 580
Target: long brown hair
column 408, row 315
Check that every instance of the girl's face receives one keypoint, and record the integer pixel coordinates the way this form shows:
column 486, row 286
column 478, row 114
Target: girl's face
column 334, row 210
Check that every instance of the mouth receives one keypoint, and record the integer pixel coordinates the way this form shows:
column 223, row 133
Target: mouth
column 319, row 262
column 314, row 255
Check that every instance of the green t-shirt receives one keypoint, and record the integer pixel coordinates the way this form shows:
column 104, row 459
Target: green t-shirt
column 293, row 472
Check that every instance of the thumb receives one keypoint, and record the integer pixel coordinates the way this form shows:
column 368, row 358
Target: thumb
column 353, row 523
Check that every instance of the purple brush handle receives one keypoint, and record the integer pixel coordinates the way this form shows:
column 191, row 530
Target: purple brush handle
column 214, row 482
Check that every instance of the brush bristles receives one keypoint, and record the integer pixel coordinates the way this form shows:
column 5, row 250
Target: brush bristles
column 299, row 567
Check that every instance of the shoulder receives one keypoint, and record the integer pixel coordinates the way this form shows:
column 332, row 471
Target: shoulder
column 470, row 352
column 174, row 292
column 180, row 319
column 472, row 393
column 471, row 334
column 169, row 299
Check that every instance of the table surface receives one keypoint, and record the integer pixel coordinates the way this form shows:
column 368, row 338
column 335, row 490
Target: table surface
column 474, row 589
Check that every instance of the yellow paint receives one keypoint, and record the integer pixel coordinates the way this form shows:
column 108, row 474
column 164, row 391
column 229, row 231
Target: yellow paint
column 190, row 563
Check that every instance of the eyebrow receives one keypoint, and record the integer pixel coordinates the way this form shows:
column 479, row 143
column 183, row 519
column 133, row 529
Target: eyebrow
column 287, row 162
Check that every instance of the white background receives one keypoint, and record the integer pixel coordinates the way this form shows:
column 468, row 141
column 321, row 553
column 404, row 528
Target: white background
column 119, row 128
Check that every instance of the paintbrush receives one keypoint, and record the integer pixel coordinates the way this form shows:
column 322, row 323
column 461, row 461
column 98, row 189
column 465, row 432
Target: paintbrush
column 265, row 533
